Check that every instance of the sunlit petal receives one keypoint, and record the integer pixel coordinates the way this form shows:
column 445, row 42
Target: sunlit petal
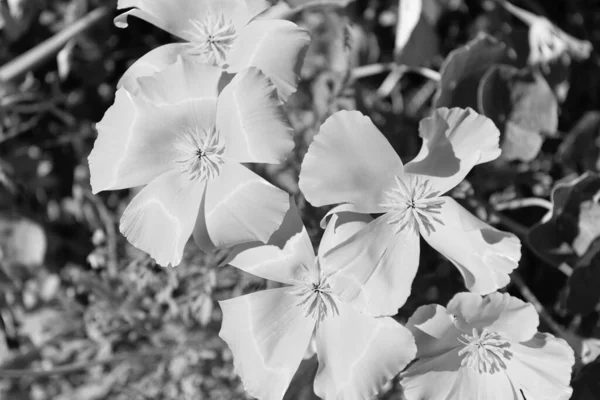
column 160, row 219
column 277, row 47
column 240, row 207
column 268, row 334
column 499, row 312
column 349, row 161
column 541, row 368
column 434, row 331
column 454, row 141
column 375, row 268
column 484, row 255
column 340, row 227
column 358, row 354
column 136, row 140
column 251, row 120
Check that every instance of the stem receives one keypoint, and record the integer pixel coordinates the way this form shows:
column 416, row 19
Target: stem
column 526, row 16
column 521, row 203
column 48, row 48
column 289, row 14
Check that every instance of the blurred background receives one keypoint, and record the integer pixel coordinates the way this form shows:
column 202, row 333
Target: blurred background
column 85, row 316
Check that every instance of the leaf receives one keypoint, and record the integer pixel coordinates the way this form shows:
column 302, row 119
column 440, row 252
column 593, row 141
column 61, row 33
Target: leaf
column 409, row 13
column 522, row 105
column 568, row 230
column 581, row 148
column 22, row 242
column 586, row 386
column 463, row 69
column 582, row 288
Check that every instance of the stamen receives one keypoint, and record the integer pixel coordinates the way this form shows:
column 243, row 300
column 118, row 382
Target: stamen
column 201, row 154
column 486, row 352
column 317, row 299
column 212, row 38
column 413, row 204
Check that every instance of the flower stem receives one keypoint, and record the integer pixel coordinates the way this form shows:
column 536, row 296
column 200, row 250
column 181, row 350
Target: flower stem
column 521, row 203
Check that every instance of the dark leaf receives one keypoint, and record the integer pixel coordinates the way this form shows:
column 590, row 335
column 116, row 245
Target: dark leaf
column 586, row 386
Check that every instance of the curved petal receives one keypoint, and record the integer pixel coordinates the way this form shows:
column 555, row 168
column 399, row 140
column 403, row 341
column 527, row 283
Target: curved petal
column 499, row 312
column 442, row 378
column 240, row 207
column 541, row 368
column 375, row 268
column 484, row 255
column 341, row 226
column 342, row 208
column 268, row 334
column 358, row 354
column 290, row 262
column 184, row 80
column 454, row 141
column 136, row 138
column 277, row 47
column 349, row 161
column 251, row 120
column 176, row 17
column 150, row 63
column 434, row 331
column 160, row 219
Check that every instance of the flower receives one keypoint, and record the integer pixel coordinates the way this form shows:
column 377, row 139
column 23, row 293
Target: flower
column 485, row 348
column 350, row 162
column 269, row 331
column 223, row 33
column 184, row 139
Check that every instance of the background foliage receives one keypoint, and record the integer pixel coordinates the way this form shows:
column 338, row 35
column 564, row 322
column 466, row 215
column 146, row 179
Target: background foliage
column 83, row 315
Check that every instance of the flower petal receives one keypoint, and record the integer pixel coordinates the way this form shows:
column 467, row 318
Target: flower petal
column 251, row 120
column 160, row 219
column 442, row 378
column 288, row 256
column 358, row 354
column 349, row 161
column 176, row 17
column 277, row 47
column 268, row 334
column 541, row 368
column 434, row 330
column 135, row 140
column 341, row 226
column 454, row 141
column 184, row 80
column 150, row 63
column 240, row 207
column 484, row 255
column 499, row 312
column 375, row 268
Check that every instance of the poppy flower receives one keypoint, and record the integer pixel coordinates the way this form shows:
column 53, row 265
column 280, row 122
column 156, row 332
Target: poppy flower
column 269, row 332
column 183, row 136
column 351, row 162
column 485, row 348
column 223, row 33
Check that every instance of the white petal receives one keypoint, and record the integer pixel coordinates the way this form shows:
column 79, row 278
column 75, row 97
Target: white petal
column 541, row 368
column 349, row 161
column 454, row 141
column 268, row 334
column 240, row 207
column 358, row 354
column 136, row 138
column 375, row 268
column 277, row 47
column 341, row 226
column 161, row 218
column 251, row 120
column 434, row 331
column 499, row 312
column 484, row 255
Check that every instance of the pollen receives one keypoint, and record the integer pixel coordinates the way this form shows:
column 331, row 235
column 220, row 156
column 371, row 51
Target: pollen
column 487, row 352
column 412, row 204
column 200, row 154
column 212, row 38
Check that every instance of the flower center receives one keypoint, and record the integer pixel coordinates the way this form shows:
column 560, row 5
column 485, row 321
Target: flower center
column 317, row 299
column 201, row 154
column 486, row 352
column 212, row 37
column 413, row 203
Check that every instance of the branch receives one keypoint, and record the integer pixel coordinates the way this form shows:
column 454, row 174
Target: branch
column 521, row 203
